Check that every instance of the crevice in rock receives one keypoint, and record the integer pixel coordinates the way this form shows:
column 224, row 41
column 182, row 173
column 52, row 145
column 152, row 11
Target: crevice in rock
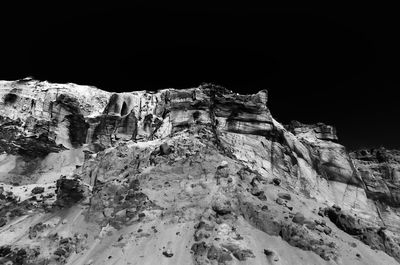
column 124, row 109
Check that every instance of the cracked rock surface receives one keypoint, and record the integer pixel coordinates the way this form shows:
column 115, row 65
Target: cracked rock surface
column 194, row 176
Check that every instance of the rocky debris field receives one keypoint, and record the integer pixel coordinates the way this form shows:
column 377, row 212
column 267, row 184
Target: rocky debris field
column 195, row 176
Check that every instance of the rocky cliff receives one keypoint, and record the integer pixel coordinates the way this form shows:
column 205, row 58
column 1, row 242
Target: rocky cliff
column 195, row 176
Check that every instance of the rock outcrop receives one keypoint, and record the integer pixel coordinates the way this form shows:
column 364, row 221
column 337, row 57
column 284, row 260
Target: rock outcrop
column 38, row 118
column 380, row 171
column 194, row 176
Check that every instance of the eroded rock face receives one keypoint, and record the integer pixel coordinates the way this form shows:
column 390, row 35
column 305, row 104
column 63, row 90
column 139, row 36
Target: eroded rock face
column 320, row 130
column 380, row 171
column 329, row 158
column 376, row 237
column 194, row 176
column 38, row 118
column 27, row 139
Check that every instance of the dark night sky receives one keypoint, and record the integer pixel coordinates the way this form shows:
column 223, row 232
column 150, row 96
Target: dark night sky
column 338, row 66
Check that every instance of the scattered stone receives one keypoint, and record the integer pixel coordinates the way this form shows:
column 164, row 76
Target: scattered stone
column 218, row 254
column 264, row 208
column 320, row 222
column 223, row 164
column 299, row 218
column 167, row 253
column 199, row 248
column 285, row 196
column 260, row 194
column 3, row 221
column 343, row 221
column 280, row 201
column 327, row 230
column 271, row 255
column 321, row 212
column 34, row 230
column 222, row 206
column 268, row 252
column 37, row 190
column 237, row 252
column 198, row 235
column 310, row 225
column 301, row 237
column 121, row 213
column 276, row 181
column 165, row 149
column 70, row 191
column 14, row 255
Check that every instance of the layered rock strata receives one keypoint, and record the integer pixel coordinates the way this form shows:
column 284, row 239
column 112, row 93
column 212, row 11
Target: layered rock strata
column 194, row 176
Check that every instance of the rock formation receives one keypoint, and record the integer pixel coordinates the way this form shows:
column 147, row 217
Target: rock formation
column 194, row 176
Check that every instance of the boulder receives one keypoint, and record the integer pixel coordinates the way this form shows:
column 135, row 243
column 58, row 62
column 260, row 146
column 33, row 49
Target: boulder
column 285, row 196
column 222, row 206
column 344, row 221
column 70, row 191
column 3, row 221
column 299, row 218
column 37, row 190
column 165, row 149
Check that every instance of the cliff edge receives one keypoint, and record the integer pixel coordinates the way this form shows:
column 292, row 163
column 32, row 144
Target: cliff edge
column 193, row 176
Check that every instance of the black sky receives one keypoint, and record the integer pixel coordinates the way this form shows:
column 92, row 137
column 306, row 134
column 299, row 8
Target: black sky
column 335, row 65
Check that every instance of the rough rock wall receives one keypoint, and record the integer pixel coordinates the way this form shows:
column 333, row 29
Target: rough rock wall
column 146, row 115
column 380, row 171
column 195, row 176
column 39, row 117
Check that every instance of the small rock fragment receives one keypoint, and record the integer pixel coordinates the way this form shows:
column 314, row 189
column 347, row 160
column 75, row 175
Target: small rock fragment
column 271, row 254
column 321, row 212
column 37, row 190
column 121, row 213
column 279, row 201
column 276, row 181
column 299, row 218
column 222, row 206
column 3, row 221
column 223, row 164
column 168, row 253
column 285, row 196
column 165, row 149
column 327, row 230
